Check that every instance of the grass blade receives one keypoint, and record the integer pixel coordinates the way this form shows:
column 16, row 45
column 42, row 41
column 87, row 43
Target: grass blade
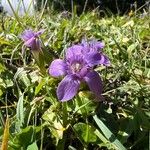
column 20, row 111
column 108, row 134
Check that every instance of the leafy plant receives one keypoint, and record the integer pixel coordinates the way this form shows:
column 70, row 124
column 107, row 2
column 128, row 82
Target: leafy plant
column 38, row 120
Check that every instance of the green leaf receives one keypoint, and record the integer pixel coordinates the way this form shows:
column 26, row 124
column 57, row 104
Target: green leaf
column 4, row 41
column 22, row 77
column 20, row 111
column 131, row 48
column 108, row 134
column 83, row 104
column 101, row 136
column 2, row 67
column 86, row 132
column 56, row 127
column 33, row 146
column 24, row 139
column 71, row 148
column 26, row 136
column 39, row 87
column 1, row 92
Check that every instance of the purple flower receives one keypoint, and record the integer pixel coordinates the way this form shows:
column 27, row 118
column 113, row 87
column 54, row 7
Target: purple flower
column 31, row 39
column 78, row 67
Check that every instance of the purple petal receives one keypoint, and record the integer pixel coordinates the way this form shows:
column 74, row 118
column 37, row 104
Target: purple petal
column 86, row 46
column 94, row 82
column 93, row 45
column 33, row 43
column 93, row 58
column 27, row 34
column 40, row 32
column 83, row 71
column 58, row 68
column 104, row 60
column 68, row 88
column 97, row 45
column 73, row 50
column 30, row 42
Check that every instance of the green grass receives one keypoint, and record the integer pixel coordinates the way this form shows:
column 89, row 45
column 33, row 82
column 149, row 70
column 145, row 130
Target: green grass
column 39, row 121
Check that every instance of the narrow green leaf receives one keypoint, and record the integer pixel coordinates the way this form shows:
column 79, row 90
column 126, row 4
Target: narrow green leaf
column 101, row 136
column 71, row 148
column 108, row 134
column 20, row 111
column 39, row 87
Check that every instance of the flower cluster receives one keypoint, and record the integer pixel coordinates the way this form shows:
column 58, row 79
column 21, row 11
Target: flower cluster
column 78, row 66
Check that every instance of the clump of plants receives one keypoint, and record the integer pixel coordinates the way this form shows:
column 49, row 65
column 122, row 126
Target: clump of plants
column 74, row 82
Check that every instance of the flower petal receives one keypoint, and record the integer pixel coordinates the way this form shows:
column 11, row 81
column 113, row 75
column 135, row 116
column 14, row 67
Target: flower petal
column 33, row 43
column 58, row 68
column 40, row 32
column 97, row 45
column 30, row 42
column 68, row 88
column 93, row 58
column 104, row 60
column 27, row 34
column 92, row 45
column 94, row 82
column 74, row 50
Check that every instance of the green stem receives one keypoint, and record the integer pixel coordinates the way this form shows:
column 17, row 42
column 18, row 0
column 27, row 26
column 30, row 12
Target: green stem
column 65, row 115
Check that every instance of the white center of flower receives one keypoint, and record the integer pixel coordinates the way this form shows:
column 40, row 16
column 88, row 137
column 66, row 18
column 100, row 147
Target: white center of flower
column 76, row 67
